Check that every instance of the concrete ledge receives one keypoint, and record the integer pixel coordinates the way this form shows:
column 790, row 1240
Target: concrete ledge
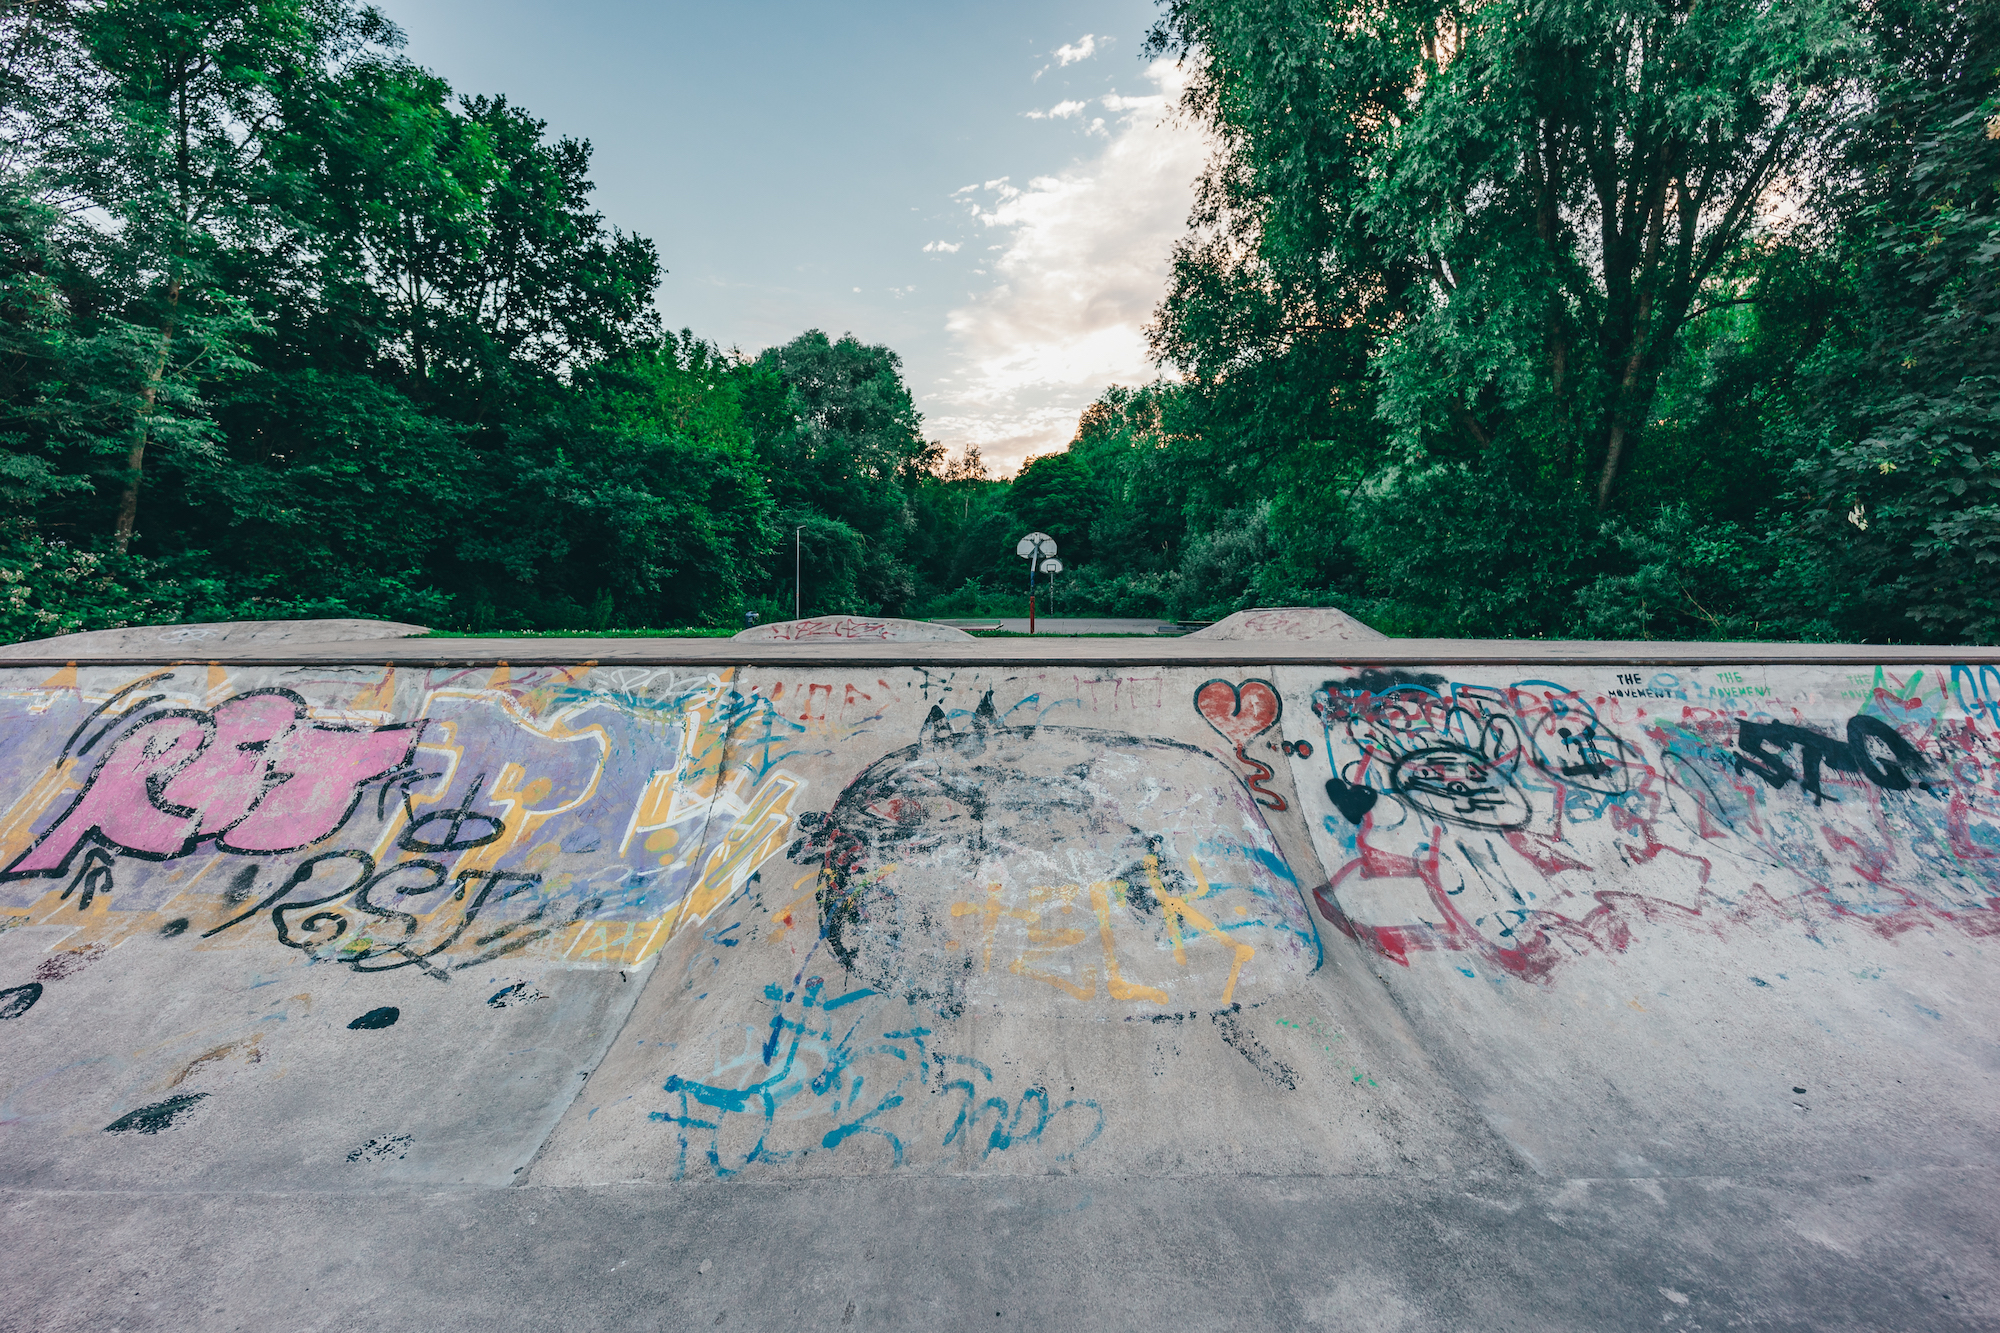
column 718, row 653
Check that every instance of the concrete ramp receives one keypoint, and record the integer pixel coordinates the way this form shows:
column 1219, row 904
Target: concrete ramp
column 1206, row 993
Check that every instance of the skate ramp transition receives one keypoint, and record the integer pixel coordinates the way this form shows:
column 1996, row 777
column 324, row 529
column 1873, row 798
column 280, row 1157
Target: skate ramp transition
column 794, row 991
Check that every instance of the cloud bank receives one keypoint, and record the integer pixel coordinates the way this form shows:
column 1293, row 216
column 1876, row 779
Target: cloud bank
column 1080, row 261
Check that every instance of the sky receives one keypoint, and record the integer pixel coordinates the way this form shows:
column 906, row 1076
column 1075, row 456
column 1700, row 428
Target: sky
column 993, row 190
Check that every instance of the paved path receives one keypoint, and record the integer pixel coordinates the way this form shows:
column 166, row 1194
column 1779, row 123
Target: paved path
column 1054, row 626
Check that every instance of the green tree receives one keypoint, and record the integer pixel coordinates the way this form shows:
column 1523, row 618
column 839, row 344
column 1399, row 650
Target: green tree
column 1521, row 206
column 841, row 440
column 1898, row 440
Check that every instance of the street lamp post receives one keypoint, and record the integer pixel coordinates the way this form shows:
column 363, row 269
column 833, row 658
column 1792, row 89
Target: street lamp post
column 1034, row 548
column 798, row 588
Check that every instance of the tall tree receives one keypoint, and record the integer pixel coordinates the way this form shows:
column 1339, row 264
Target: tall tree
column 843, row 449
column 197, row 95
column 1522, row 204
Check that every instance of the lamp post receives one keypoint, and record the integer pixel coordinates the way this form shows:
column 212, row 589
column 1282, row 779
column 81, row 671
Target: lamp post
column 1034, row 548
column 798, row 588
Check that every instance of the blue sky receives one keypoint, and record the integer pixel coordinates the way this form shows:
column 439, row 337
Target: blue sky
column 992, row 190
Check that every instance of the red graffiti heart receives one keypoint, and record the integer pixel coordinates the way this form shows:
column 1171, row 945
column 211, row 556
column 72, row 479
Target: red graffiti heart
column 1239, row 712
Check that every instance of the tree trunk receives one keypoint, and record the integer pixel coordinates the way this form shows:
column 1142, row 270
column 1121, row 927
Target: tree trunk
column 135, row 462
column 1628, row 410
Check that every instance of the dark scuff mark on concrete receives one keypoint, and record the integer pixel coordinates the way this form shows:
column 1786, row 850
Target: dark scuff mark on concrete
column 160, row 1115
column 1229, row 1023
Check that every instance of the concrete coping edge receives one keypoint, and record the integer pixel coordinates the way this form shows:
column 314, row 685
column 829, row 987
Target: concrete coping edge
column 718, row 653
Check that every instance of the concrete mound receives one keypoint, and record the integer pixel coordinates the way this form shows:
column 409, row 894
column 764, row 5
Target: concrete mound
column 1298, row 624
column 194, row 639
column 855, row 629
column 1443, row 935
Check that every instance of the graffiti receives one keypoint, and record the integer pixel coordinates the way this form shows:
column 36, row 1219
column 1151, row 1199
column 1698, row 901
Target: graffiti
column 159, row 1116
column 1983, row 687
column 1241, row 1039
column 396, row 1147
column 1092, row 864
column 1240, row 714
column 852, row 628
column 381, row 839
column 1872, row 748
column 254, row 776
column 18, row 1000
column 1463, row 755
column 1523, row 823
column 826, row 1089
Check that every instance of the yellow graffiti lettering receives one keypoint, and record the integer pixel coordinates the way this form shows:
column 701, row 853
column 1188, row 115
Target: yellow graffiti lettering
column 1119, row 988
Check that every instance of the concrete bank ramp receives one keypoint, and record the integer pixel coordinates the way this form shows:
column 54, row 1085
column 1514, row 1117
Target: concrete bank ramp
column 209, row 637
column 804, row 996
column 1288, row 624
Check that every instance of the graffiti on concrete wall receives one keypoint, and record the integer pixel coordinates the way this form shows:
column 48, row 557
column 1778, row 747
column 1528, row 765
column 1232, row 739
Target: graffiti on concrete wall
column 1093, row 864
column 1531, row 820
column 1243, row 714
column 996, row 867
column 829, row 1079
column 436, row 823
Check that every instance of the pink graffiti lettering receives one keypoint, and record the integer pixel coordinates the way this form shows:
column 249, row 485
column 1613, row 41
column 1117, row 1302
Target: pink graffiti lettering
column 254, row 774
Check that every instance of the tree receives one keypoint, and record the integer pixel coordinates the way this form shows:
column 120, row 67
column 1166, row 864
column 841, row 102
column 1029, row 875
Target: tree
column 182, row 163
column 841, row 439
column 1898, row 444
column 1058, row 494
column 1519, row 206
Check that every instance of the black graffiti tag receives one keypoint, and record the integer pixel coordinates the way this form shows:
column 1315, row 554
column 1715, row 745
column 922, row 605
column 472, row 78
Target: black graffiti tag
column 457, row 828
column 1763, row 747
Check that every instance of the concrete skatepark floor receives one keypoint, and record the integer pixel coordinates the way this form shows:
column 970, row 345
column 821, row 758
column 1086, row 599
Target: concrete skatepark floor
column 810, row 992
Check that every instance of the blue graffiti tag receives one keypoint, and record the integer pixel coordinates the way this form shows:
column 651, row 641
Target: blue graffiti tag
column 858, row 1087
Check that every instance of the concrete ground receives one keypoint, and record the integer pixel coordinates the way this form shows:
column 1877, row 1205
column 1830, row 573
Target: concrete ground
column 1058, row 626
column 1898, row 1250
column 812, row 992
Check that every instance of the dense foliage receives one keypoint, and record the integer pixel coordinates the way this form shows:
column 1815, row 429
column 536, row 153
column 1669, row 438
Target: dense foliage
column 1632, row 318
column 289, row 328
column 1589, row 317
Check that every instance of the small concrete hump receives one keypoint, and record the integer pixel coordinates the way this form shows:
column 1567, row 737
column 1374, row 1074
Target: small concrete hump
column 851, row 629
column 1289, row 624
column 236, row 635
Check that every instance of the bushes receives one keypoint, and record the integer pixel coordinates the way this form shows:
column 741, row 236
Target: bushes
column 49, row 588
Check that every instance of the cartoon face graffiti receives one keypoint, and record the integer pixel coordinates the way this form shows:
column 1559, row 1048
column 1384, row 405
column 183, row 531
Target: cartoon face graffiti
column 999, row 864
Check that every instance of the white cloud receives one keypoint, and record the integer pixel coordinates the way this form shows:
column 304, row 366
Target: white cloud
column 1084, row 48
column 1060, row 111
column 1082, row 263
column 942, row 248
column 1151, row 102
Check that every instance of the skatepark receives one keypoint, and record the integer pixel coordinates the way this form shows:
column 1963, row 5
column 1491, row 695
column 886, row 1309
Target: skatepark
column 1279, row 975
